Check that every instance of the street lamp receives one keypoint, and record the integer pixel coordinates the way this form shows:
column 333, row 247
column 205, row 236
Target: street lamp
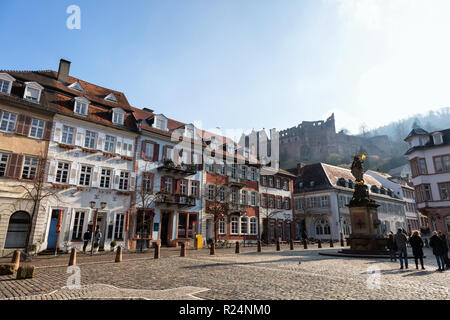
column 94, row 221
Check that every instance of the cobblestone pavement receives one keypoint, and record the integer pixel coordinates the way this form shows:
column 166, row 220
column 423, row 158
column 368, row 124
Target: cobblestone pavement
column 298, row 274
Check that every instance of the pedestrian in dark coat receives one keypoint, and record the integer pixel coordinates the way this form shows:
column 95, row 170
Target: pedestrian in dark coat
column 392, row 247
column 438, row 250
column 401, row 240
column 86, row 238
column 416, row 243
column 445, row 243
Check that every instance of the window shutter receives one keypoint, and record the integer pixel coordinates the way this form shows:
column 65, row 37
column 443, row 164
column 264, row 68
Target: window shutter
column 116, row 179
column 119, row 141
column 96, row 177
column 163, row 184
column 143, row 150
column 58, row 132
column 164, row 154
column 156, row 152
column 130, row 149
column 20, row 124
column 13, row 164
column 79, row 140
column 52, row 165
column 27, row 126
column 48, row 130
column 100, row 141
column 74, row 167
column 132, row 181
column 177, row 185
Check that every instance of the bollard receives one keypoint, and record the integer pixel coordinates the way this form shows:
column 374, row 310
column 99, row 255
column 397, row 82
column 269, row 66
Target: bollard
column 305, row 244
column 278, row 245
column 331, row 243
column 212, row 251
column 259, row 246
column 183, row 250
column 238, row 247
column 292, row 244
column 119, row 254
column 157, row 250
column 73, row 257
column 16, row 260
column 319, row 243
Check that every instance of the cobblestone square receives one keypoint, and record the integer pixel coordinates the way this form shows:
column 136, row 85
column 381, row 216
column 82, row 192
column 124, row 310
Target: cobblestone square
column 299, row 275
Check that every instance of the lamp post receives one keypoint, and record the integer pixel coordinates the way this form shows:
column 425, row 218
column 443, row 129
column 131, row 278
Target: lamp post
column 94, row 221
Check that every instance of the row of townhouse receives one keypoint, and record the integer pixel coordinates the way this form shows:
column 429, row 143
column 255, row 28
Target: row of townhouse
column 74, row 155
column 322, row 193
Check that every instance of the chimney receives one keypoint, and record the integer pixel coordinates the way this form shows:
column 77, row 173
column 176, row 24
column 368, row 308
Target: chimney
column 63, row 71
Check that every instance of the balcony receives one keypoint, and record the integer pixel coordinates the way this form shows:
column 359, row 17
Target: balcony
column 236, row 182
column 178, row 200
column 183, row 170
column 235, row 207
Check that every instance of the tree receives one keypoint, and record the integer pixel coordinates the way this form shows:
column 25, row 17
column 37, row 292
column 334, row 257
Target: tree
column 37, row 191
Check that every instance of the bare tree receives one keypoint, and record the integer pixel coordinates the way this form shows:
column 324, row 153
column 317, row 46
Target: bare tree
column 37, row 191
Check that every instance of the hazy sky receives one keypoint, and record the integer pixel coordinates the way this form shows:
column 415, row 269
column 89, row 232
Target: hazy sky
column 246, row 63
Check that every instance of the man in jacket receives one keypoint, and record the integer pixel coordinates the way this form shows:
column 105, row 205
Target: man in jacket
column 86, row 238
column 438, row 250
column 445, row 244
column 401, row 240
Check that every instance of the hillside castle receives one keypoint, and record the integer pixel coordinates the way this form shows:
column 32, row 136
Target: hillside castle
column 313, row 141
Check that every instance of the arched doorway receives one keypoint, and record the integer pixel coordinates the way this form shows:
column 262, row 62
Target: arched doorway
column 16, row 236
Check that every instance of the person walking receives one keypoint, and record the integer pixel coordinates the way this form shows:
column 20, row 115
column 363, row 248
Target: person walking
column 86, row 238
column 416, row 243
column 438, row 250
column 401, row 240
column 445, row 243
column 98, row 236
column 391, row 246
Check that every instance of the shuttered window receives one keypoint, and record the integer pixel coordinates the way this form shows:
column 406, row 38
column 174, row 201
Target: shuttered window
column 3, row 164
column 8, row 121
column 30, row 166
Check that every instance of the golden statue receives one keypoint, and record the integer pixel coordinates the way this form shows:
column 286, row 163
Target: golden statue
column 357, row 168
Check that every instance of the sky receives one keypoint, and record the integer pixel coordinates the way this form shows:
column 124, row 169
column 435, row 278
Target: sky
column 246, row 64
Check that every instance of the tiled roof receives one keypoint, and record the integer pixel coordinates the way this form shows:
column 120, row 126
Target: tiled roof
column 271, row 171
column 430, row 143
column 334, row 173
column 417, row 132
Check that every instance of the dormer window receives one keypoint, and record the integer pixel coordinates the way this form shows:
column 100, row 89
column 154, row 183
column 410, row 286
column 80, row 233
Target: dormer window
column 118, row 116
column 33, row 91
column 111, row 97
column 437, row 138
column 77, row 86
column 6, row 82
column 81, row 106
column 160, row 122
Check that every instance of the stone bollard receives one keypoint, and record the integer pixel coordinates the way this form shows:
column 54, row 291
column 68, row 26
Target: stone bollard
column 331, row 243
column 259, row 246
column 119, row 254
column 238, row 247
column 319, row 244
column 278, row 245
column 183, row 250
column 305, row 244
column 73, row 257
column 157, row 250
column 212, row 251
column 16, row 260
column 291, row 242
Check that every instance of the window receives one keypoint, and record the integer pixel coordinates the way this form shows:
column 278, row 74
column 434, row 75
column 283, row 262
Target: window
column 222, row 169
column 253, row 174
column 118, row 231
column 264, row 200
column 244, row 225
column 278, row 202
column 81, row 107
column 244, row 197
column 62, row 172
column 105, row 178
column 264, row 181
column 233, row 171
column 211, row 192
column 323, row 227
column 168, row 184
column 3, row 163
column 286, row 185
column 278, row 183
column 149, row 150
column 37, row 128
column 124, row 180
column 234, row 225
column 270, row 181
column 4, row 86
column 8, row 121
column 444, row 189
column 223, row 226
column 287, row 203
column 85, row 176
column 441, row 164
column 118, row 117
column 111, row 97
column 271, row 202
column 147, row 182
column 222, row 194
column 182, row 221
column 253, row 225
column 67, row 135
column 243, row 172
column 89, row 139
column 253, row 199
column 194, row 188
column 78, row 222
column 109, row 144
column 32, row 94
column 324, row 203
column 183, row 187
column 423, row 193
column 29, row 168
column 234, row 196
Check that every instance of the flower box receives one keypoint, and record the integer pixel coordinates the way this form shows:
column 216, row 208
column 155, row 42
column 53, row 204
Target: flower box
column 66, row 146
column 107, row 154
column 60, row 186
column 126, row 158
